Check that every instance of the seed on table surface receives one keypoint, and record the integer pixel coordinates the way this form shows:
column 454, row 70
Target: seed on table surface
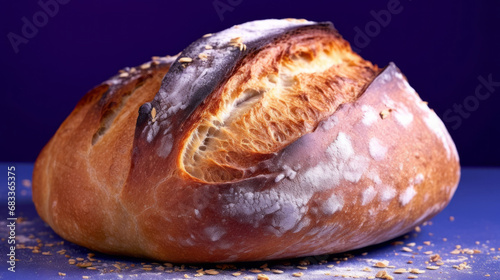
column 406, row 249
column 211, row 272
column 382, row 264
column 400, row 271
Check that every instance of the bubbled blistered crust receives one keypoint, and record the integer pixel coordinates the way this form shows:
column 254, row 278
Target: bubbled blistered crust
column 338, row 154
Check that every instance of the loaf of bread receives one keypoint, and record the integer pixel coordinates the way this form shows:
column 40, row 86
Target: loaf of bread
column 271, row 139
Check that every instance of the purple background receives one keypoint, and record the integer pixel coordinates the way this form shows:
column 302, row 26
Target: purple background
column 443, row 47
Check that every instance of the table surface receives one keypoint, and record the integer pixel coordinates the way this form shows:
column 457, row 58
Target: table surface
column 472, row 221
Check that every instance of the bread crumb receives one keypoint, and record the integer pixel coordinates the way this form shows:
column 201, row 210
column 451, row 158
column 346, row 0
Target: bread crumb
column 468, row 251
column 383, row 275
column 400, row 271
column 276, row 271
column 262, row 277
column 381, row 264
column 435, row 258
column 432, row 267
column 452, row 218
column 461, row 266
column 298, row 274
column 84, row 264
column 207, row 35
column 211, row 272
column 406, row 249
column 385, row 113
column 236, row 274
column 416, row 271
column 62, row 274
column 304, row 262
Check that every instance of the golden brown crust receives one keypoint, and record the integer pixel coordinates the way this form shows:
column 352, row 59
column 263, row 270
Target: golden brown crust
column 312, row 150
column 78, row 173
column 272, row 98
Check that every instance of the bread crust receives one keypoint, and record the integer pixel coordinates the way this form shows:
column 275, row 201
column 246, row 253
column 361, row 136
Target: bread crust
column 113, row 177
